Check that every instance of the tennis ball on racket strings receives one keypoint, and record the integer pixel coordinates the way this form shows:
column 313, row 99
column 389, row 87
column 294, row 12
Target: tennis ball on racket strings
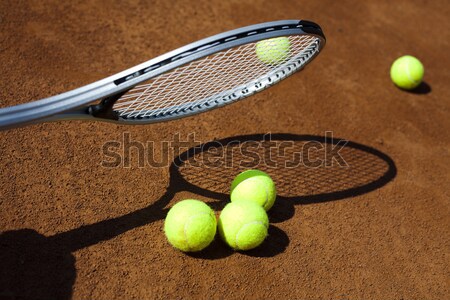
column 407, row 72
column 255, row 186
column 273, row 51
column 243, row 225
column 190, row 225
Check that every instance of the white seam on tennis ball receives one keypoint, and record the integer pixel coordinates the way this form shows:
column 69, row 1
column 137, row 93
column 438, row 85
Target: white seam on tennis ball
column 185, row 226
column 242, row 227
column 408, row 74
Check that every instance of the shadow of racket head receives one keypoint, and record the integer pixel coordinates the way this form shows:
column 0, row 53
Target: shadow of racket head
column 305, row 168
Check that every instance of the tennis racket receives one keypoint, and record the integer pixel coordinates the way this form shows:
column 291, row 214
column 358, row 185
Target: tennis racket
column 195, row 78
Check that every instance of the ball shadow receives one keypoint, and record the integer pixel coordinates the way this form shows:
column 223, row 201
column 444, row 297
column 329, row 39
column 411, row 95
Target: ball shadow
column 216, row 250
column 282, row 210
column 422, row 89
column 276, row 242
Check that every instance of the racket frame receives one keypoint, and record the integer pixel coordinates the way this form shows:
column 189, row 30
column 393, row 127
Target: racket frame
column 74, row 104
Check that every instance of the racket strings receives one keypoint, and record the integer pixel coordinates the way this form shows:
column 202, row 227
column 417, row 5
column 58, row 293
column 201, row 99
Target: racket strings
column 295, row 169
column 225, row 76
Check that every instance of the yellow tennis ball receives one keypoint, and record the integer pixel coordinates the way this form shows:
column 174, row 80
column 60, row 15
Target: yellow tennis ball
column 255, row 186
column 273, row 51
column 243, row 225
column 190, row 225
column 407, row 72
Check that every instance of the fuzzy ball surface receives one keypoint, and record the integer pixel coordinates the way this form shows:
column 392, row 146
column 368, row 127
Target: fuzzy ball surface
column 407, row 72
column 255, row 186
column 243, row 225
column 190, row 225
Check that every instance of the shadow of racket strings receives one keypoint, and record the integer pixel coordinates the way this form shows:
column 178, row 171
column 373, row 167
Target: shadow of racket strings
column 306, row 169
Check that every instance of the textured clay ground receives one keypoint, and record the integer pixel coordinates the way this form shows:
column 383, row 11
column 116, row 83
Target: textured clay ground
column 71, row 228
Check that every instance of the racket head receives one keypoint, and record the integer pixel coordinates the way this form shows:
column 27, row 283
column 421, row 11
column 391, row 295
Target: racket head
column 220, row 70
column 209, row 169
column 189, row 60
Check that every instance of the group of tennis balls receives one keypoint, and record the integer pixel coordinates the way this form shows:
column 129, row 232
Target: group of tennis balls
column 191, row 225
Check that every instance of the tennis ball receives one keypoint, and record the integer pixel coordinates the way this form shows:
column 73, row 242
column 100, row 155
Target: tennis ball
column 273, row 51
column 190, row 225
column 407, row 72
column 243, row 225
column 255, row 186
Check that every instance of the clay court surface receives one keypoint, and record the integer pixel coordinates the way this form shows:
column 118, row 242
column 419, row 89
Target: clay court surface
column 375, row 229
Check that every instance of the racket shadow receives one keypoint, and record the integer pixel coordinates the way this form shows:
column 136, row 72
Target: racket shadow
column 36, row 266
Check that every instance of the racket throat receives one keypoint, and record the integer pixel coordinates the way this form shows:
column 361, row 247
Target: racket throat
column 105, row 109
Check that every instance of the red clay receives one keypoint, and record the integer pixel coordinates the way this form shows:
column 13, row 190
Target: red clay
column 375, row 230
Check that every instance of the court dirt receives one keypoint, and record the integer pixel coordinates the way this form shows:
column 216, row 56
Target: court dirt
column 74, row 226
